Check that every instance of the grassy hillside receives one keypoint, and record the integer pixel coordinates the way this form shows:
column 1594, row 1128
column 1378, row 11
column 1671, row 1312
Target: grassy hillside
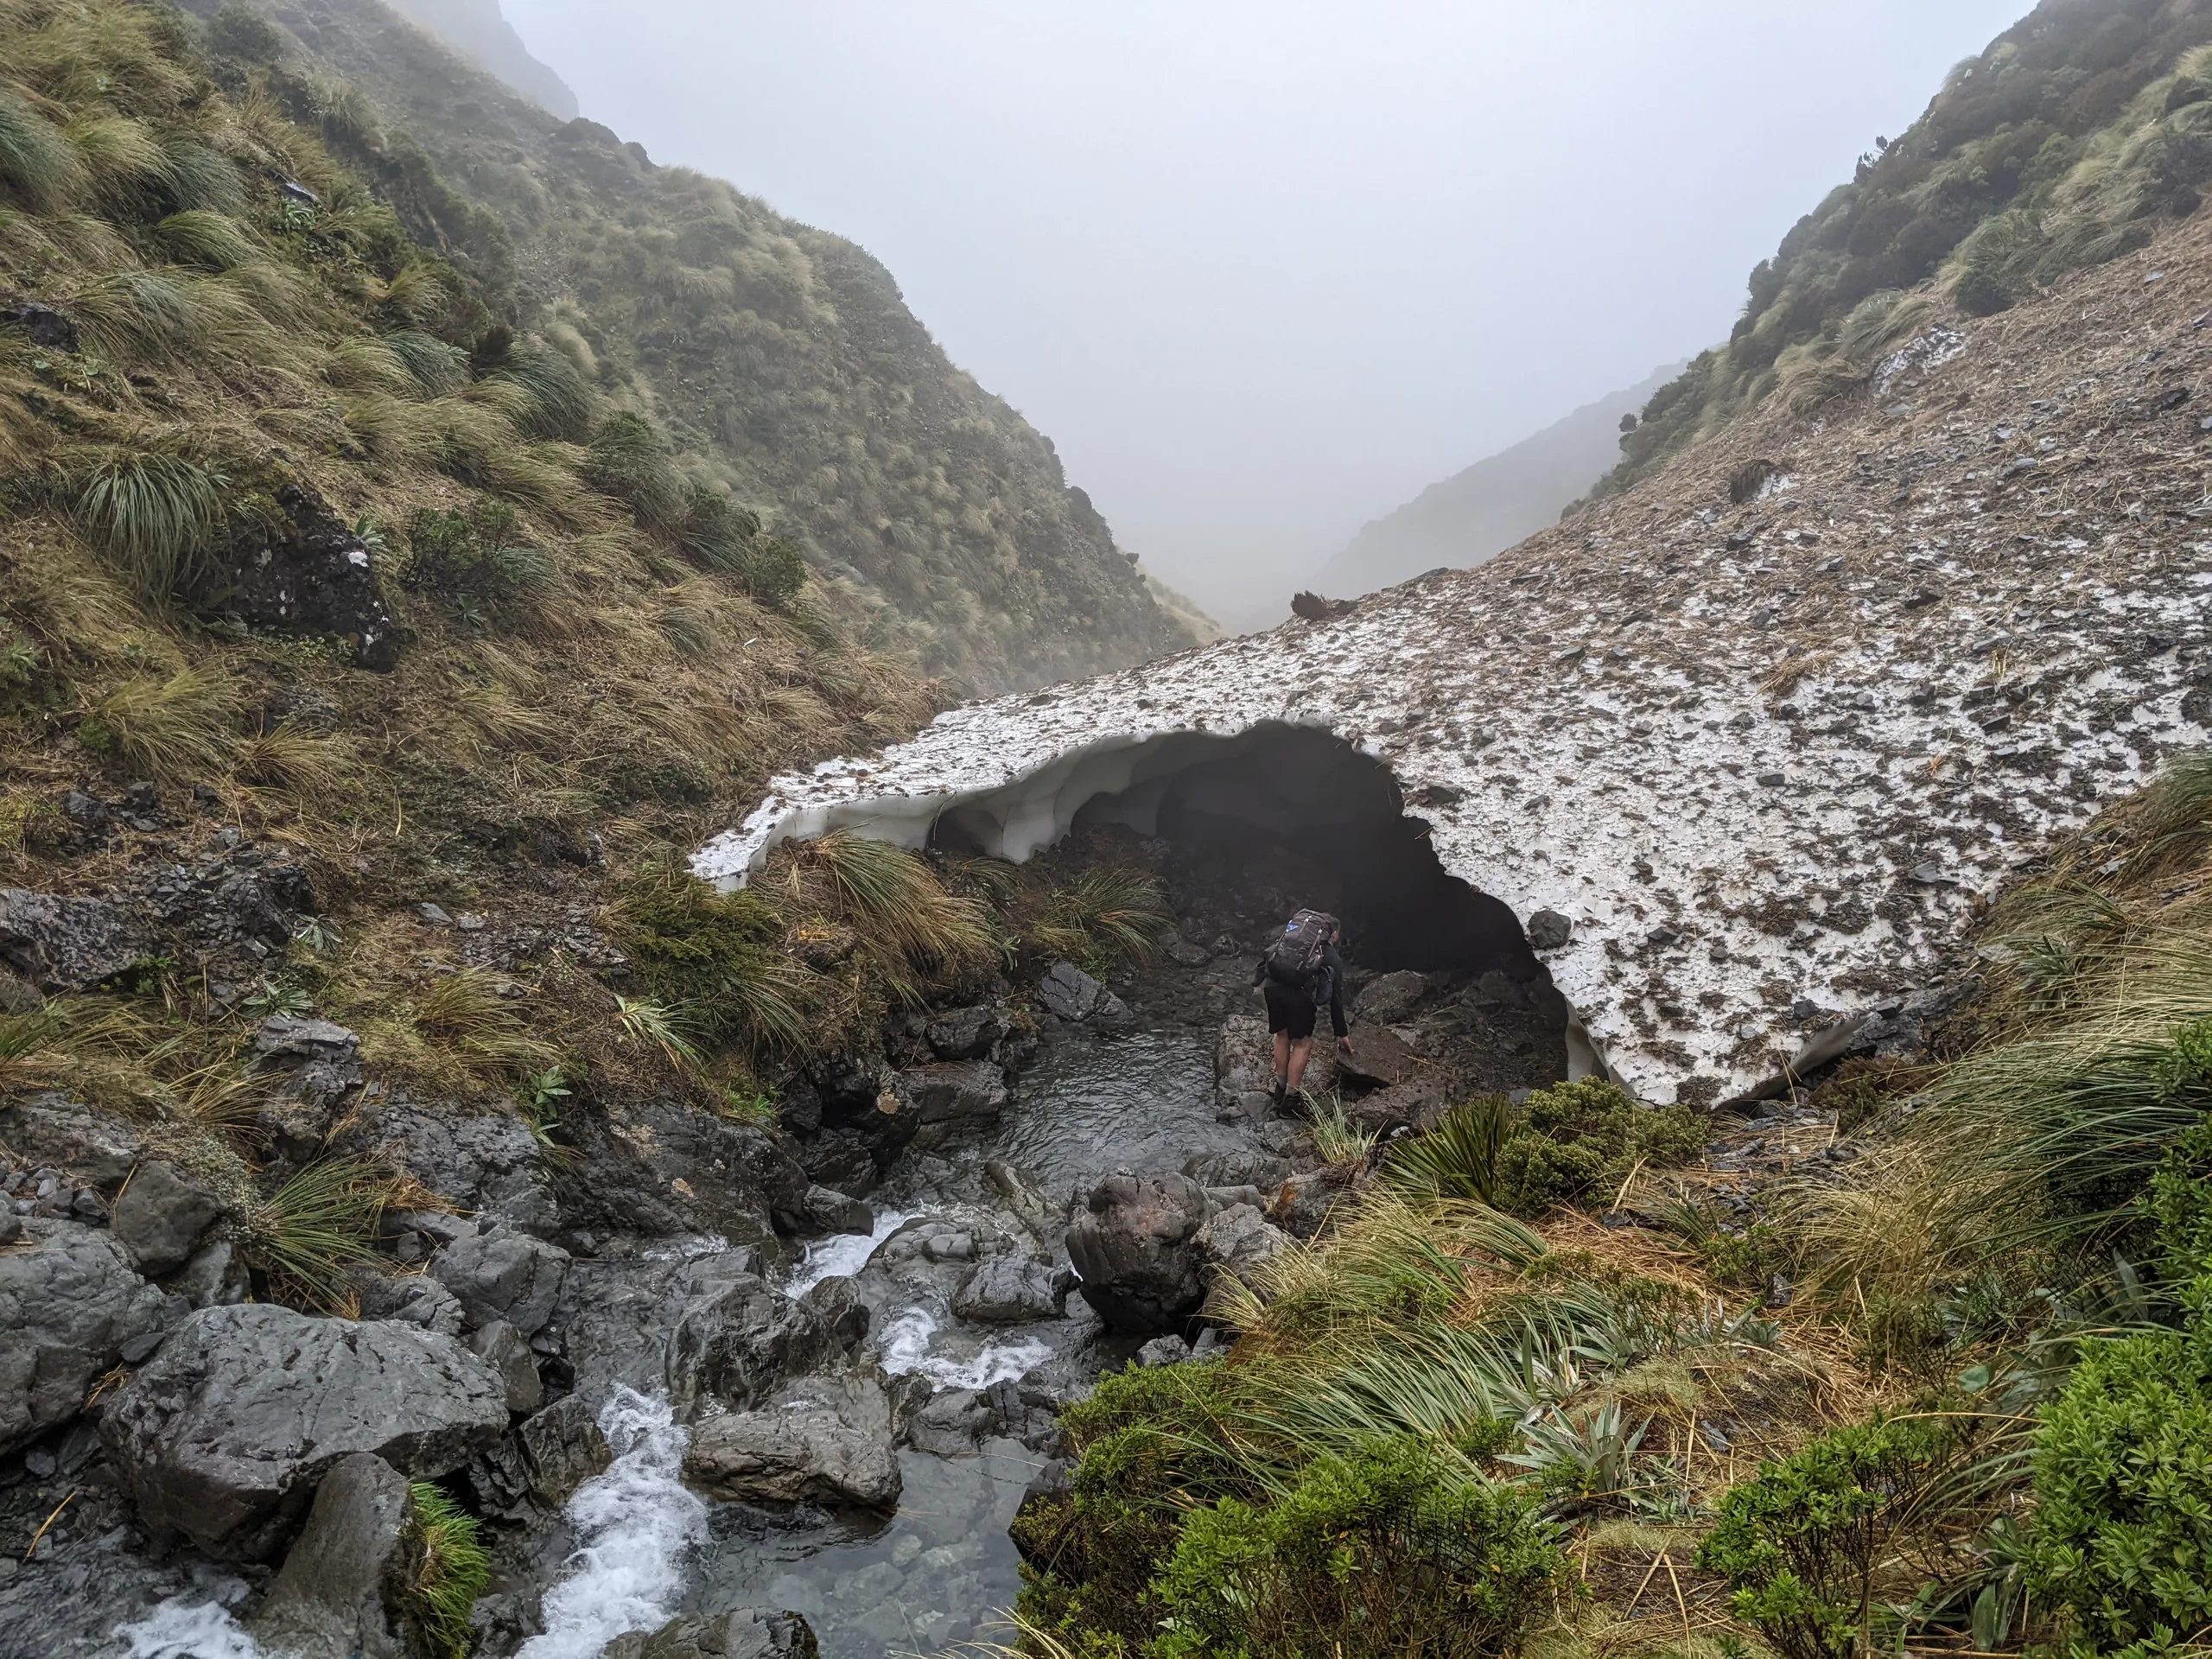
column 481, row 32
column 2063, row 145
column 1485, row 509
column 779, row 360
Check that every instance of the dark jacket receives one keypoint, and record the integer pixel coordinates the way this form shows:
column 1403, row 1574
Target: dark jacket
column 1330, row 990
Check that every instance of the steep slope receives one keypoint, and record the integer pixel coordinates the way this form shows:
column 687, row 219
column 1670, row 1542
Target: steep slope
column 479, row 32
column 1481, row 511
column 1741, row 746
column 780, row 360
column 2068, row 142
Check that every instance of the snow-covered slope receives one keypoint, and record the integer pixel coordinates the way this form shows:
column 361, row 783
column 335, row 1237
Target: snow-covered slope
column 1762, row 752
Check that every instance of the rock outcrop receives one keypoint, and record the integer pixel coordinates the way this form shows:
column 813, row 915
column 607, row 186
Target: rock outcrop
column 73, row 1306
column 825, row 1441
column 1135, row 1248
column 334, row 1597
column 225, row 1433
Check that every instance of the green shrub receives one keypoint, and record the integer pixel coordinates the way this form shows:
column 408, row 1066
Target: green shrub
column 1981, row 294
column 448, row 1570
column 1391, row 1551
column 774, row 571
column 1803, row 1545
column 475, row 558
column 630, row 461
column 241, row 32
column 1574, row 1143
column 715, row 956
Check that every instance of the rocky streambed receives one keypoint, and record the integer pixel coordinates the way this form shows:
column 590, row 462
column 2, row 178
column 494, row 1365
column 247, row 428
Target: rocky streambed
column 692, row 1375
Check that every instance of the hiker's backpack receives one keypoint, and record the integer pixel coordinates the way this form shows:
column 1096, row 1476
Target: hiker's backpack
column 1301, row 955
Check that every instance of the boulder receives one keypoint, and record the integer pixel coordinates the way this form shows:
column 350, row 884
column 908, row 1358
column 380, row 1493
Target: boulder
column 618, row 1313
column 70, row 1303
column 1133, row 1247
column 565, row 1448
column 949, row 1423
column 1303, row 1204
column 321, row 1065
column 1068, row 992
column 829, row 1211
column 964, row 1033
column 1240, row 1167
column 822, row 1441
column 215, row 1277
column 1238, row 1240
column 1550, row 931
column 69, row 943
column 52, row 1129
column 1163, row 1351
column 162, row 1215
column 503, row 1275
column 410, row 1298
column 844, row 1313
column 739, row 1343
column 952, row 1097
column 225, row 1433
column 334, row 1597
column 1417, row 1104
column 1244, row 1066
column 506, row 1350
column 748, row 1633
column 299, row 570
column 1379, row 1059
column 1010, row 1289
column 1389, row 998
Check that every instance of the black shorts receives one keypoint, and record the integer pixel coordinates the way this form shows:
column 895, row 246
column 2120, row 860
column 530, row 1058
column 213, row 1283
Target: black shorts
column 1290, row 1010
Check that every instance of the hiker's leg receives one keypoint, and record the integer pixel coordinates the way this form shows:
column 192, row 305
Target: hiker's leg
column 1301, row 1051
column 1282, row 1060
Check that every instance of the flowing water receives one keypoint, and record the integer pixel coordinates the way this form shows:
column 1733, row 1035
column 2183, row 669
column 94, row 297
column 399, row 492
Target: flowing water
column 1140, row 1102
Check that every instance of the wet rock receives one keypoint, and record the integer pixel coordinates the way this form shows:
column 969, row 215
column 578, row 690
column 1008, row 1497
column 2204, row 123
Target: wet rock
column 225, row 1433
column 844, row 1313
column 321, row 1065
column 748, row 1633
column 70, row 1303
column 964, row 1033
column 68, row 943
column 1163, row 1351
column 1303, row 1204
column 737, row 1344
column 659, row 1166
column 951, row 1423
column 215, row 1277
column 824, row 1441
column 1240, row 1239
column 952, row 1098
column 1070, row 993
column 1379, row 1059
column 1134, row 1248
column 1043, row 1219
column 565, row 1448
column 506, row 1350
column 410, row 1298
column 1389, row 998
column 162, row 1215
column 42, row 325
column 300, row 571
column 333, row 1598
column 1244, row 1067
column 505, row 1275
column 486, row 1163
column 618, row 1313
column 1239, row 1167
column 52, row 1129
column 829, row 1211
column 1417, row 1104
column 1010, row 1289
column 1550, row 931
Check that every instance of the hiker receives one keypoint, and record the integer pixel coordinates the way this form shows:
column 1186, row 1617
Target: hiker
column 1300, row 971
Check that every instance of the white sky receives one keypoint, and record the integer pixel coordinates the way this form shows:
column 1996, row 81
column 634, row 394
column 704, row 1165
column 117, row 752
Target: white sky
column 1264, row 269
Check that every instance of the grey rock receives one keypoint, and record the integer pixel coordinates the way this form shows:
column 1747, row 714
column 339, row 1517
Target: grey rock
column 1239, row 1240
column 738, row 1344
column 952, row 1097
column 225, row 1435
column 321, row 1065
column 70, row 1301
column 1550, row 931
column 289, row 1037
column 11, row 1226
column 299, row 570
column 829, row 1211
column 951, row 1423
column 950, row 1247
column 162, row 1215
column 844, row 1313
column 1243, row 1166
column 1163, row 1351
column 506, row 1350
column 1135, row 1248
column 565, row 1448
column 52, row 1129
column 1009, row 1289
column 490, row 1164
column 1068, row 992
column 748, row 1633
column 822, row 1441
column 215, row 1277
column 1389, row 998
column 1304, row 1204
column 503, row 1275
column 964, row 1033
column 334, row 1598
column 410, row 1298
column 618, row 1313
column 68, row 943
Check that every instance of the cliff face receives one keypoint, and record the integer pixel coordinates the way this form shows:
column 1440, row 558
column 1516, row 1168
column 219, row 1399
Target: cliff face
column 479, row 31
column 1760, row 730
column 1480, row 511
column 780, row 359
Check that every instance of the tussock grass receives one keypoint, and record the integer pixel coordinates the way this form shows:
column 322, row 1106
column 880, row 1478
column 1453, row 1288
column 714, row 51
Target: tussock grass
column 319, row 1226
column 1106, row 915
column 177, row 726
column 448, row 1568
column 301, row 763
column 151, row 510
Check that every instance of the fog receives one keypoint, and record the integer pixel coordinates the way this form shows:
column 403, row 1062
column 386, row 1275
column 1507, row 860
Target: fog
column 1263, row 268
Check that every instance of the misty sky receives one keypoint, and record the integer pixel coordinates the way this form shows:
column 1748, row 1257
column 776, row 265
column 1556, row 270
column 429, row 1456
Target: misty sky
column 1263, row 268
